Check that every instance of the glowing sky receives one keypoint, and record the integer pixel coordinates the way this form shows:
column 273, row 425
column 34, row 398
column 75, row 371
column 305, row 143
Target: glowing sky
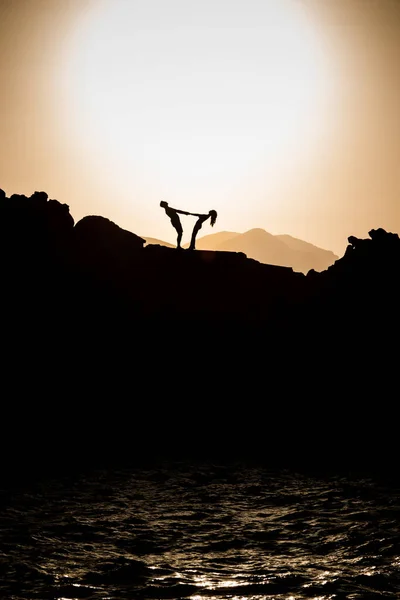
column 280, row 114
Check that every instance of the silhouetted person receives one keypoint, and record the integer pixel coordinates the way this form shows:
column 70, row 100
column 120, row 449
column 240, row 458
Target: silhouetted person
column 175, row 220
column 199, row 223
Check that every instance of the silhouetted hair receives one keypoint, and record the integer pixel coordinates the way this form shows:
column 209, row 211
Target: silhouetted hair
column 163, row 203
column 213, row 215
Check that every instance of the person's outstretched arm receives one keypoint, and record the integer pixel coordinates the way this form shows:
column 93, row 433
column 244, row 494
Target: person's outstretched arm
column 182, row 212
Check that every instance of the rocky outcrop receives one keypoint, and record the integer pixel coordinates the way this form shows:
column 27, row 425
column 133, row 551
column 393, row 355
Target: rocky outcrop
column 380, row 251
column 364, row 280
column 105, row 236
column 34, row 225
column 112, row 347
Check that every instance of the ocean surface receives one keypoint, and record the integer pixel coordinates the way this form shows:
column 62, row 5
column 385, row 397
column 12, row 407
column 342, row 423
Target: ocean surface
column 200, row 531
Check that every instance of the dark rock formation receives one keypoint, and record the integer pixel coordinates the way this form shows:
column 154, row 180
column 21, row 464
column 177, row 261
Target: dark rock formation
column 114, row 351
column 97, row 234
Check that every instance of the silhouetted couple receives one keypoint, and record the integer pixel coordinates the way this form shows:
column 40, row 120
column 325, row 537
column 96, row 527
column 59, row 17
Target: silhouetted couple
column 174, row 213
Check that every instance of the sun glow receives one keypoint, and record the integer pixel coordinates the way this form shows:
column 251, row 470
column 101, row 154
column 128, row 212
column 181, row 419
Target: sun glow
column 193, row 101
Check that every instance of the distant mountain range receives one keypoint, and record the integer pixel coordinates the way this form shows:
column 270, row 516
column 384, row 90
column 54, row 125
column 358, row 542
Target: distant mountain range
column 283, row 250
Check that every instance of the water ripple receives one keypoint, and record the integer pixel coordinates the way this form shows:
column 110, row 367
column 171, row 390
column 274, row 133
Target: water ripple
column 200, row 531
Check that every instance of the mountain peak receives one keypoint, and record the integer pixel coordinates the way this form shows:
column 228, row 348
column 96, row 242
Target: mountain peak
column 257, row 231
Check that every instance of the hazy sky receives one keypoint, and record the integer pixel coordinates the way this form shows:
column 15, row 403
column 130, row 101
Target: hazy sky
column 280, row 114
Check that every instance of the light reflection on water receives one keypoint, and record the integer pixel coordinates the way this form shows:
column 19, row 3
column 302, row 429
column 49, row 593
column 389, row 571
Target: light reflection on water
column 198, row 532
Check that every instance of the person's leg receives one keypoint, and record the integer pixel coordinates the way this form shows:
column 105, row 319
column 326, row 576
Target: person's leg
column 179, row 231
column 196, row 229
column 179, row 238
